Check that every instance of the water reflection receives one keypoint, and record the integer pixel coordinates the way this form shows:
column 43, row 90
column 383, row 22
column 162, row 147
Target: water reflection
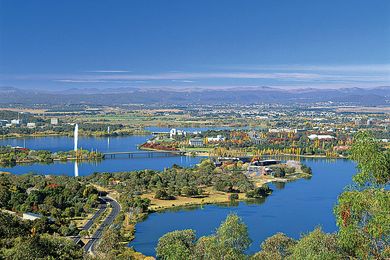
column 279, row 185
column 76, row 169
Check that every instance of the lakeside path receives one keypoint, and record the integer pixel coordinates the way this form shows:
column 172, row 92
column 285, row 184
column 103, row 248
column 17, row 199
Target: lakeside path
column 116, row 208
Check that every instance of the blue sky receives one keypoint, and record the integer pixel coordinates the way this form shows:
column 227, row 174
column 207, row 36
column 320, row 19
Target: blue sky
column 194, row 43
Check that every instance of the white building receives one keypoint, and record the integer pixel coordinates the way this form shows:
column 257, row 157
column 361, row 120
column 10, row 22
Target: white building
column 54, row 121
column 219, row 138
column 15, row 122
column 175, row 132
column 281, row 130
column 31, row 125
column 320, row 137
column 197, row 142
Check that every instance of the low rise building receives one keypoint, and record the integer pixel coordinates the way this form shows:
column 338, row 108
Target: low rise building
column 31, row 125
column 197, row 142
column 219, row 138
column 265, row 162
column 281, row 130
column 31, row 216
column 15, row 122
column 176, row 132
column 320, row 137
column 54, row 121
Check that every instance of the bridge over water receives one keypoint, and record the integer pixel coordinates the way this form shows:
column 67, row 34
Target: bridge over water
column 142, row 154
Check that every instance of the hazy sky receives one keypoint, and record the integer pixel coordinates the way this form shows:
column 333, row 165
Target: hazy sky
column 194, row 43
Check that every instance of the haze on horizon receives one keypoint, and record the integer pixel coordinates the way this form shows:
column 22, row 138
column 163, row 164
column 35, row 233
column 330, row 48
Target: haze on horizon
column 194, row 44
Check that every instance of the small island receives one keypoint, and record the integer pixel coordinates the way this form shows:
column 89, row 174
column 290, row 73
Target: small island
column 10, row 156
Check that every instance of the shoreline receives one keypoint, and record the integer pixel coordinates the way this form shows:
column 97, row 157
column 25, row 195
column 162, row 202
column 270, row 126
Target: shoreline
column 140, row 147
column 204, row 154
column 195, row 204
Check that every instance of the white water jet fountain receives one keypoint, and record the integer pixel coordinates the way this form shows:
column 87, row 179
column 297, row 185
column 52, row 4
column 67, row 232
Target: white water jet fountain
column 76, row 140
column 76, row 137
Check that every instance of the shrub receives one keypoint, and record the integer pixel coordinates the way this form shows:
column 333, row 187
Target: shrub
column 259, row 192
column 163, row 195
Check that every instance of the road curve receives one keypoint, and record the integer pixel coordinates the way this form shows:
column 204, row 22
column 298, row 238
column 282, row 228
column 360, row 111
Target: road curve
column 116, row 208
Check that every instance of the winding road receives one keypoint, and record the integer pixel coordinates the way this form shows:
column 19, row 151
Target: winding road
column 102, row 208
column 116, row 208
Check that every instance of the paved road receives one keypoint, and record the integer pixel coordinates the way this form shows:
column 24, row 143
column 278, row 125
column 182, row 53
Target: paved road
column 116, row 208
column 102, row 208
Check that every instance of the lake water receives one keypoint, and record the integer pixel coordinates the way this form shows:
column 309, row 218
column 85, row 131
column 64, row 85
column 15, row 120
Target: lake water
column 65, row 143
column 101, row 144
column 293, row 208
column 106, row 144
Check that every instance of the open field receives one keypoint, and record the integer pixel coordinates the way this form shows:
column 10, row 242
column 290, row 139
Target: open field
column 385, row 109
column 211, row 196
column 24, row 110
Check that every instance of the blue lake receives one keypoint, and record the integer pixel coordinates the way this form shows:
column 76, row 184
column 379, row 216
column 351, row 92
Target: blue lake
column 106, row 144
column 293, row 208
column 65, row 143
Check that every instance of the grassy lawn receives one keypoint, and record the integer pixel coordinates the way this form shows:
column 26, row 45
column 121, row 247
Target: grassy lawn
column 198, row 149
column 211, row 196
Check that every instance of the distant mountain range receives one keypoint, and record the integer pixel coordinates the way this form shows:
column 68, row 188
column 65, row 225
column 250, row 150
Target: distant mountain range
column 242, row 95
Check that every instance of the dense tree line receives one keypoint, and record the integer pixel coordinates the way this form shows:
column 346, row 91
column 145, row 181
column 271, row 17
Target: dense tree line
column 57, row 197
column 25, row 239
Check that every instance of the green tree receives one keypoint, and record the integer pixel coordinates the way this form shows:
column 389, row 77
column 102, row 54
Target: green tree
column 364, row 221
column 209, row 248
column 162, row 194
column 176, row 245
column 317, row 245
column 11, row 226
column 229, row 242
column 89, row 190
column 363, row 211
column 110, row 244
column 259, row 192
column 189, row 191
column 233, row 234
column 42, row 247
column 372, row 161
column 276, row 247
column 5, row 196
